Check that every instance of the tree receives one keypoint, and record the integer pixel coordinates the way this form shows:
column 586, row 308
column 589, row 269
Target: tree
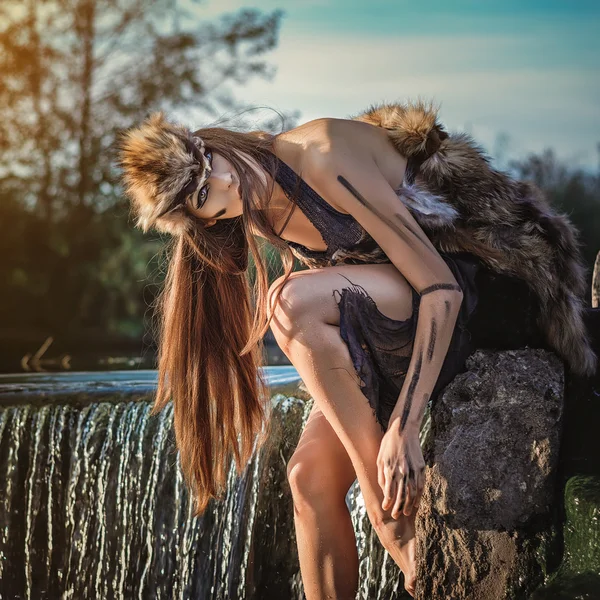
column 572, row 191
column 75, row 72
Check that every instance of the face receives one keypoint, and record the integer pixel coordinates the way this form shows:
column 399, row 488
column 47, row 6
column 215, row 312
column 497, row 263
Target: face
column 219, row 197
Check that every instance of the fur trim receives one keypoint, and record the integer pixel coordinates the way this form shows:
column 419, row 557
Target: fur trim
column 431, row 207
column 158, row 160
column 413, row 127
column 508, row 224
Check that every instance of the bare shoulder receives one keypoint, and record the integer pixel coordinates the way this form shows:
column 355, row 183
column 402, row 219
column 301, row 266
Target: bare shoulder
column 329, row 139
column 327, row 145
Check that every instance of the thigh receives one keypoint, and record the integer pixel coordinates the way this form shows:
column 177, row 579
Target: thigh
column 309, row 307
column 308, row 297
column 320, row 468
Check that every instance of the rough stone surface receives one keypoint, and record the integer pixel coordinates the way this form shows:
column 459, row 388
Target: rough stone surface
column 484, row 524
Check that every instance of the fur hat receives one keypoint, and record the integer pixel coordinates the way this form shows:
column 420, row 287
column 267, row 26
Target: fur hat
column 162, row 164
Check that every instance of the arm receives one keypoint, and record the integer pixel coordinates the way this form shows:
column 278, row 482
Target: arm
column 357, row 186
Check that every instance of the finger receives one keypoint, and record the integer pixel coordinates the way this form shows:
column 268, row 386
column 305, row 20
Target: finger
column 401, row 495
column 389, row 489
column 397, row 510
column 411, row 491
column 381, row 477
column 410, row 494
column 392, row 489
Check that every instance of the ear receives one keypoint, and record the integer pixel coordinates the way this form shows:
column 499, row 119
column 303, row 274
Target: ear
column 210, row 223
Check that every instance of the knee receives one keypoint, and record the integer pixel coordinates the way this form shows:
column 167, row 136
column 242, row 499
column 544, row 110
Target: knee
column 295, row 316
column 288, row 305
column 313, row 485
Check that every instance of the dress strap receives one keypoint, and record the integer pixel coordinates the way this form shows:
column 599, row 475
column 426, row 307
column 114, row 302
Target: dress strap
column 337, row 229
column 288, row 218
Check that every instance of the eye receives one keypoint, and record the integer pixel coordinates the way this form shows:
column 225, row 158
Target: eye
column 202, row 196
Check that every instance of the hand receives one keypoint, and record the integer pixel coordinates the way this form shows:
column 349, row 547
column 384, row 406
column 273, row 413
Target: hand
column 400, row 471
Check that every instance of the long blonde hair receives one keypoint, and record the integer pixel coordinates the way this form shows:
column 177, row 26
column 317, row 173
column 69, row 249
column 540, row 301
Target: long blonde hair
column 209, row 329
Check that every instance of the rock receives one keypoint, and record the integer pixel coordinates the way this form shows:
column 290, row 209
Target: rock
column 485, row 523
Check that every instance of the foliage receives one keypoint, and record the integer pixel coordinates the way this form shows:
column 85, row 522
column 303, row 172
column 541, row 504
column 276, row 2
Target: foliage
column 76, row 72
column 572, row 191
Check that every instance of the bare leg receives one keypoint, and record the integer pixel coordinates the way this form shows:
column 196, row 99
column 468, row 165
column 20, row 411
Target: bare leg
column 306, row 326
column 328, row 554
column 320, row 474
column 327, row 373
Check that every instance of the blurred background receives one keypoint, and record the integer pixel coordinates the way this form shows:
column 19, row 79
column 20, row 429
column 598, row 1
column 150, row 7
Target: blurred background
column 77, row 280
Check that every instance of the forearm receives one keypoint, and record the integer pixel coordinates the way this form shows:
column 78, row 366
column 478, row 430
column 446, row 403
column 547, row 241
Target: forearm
column 438, row 311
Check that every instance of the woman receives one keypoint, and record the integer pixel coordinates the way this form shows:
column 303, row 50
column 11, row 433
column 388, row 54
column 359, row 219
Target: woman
column 381, row 313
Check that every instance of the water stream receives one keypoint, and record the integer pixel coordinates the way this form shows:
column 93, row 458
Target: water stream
column 93, row 504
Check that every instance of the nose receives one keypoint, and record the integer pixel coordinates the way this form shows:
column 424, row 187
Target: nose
column 224, row 179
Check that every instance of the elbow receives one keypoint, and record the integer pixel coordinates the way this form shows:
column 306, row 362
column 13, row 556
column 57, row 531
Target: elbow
column 449, row 295
column 456, row 297
column 459, row 295
column 452, row 291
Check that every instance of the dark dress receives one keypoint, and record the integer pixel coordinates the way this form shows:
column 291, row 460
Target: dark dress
column 497, row 311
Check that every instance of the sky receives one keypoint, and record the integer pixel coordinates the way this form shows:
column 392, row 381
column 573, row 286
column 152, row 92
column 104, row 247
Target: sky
column 527, row 69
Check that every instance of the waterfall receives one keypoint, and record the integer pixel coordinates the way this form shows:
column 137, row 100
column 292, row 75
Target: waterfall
column 94, row 504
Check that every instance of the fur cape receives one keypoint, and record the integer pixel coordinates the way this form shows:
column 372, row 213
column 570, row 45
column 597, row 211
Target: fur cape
column 463, row 204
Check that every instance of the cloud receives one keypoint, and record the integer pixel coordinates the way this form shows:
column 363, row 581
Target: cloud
column 479, row 81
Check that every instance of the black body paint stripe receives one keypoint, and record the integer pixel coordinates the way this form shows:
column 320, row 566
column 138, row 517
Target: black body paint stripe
column 432, row 338
column 411, row 391
column 393, row 225
column 441, row 286
column 447, row 305
column 409, row 227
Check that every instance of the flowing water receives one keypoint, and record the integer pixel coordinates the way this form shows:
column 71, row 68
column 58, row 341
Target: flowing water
column 93, row 504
